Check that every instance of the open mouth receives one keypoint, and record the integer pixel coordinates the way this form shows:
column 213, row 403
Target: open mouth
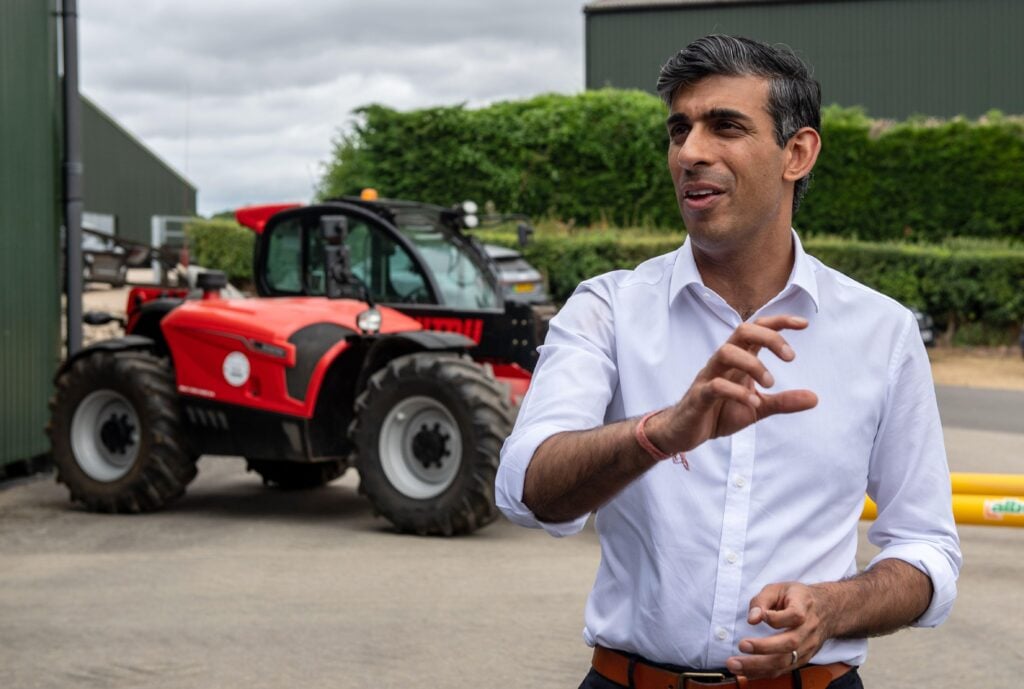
column 699, row 199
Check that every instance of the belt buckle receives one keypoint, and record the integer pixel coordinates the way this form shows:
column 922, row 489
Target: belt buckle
column 701, row 678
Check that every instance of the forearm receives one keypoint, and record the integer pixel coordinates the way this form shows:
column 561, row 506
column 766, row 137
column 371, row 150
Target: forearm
column 889, row 596
column 575, row 472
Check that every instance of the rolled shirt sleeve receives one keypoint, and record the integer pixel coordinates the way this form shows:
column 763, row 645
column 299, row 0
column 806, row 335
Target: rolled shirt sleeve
column 909, row 480
column 571, row 388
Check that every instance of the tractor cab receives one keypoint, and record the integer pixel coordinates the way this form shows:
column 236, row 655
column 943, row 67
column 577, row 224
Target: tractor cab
column 414, row 257
column 404, row 253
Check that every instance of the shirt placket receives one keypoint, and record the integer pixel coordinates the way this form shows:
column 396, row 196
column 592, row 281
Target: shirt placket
column 731, row 548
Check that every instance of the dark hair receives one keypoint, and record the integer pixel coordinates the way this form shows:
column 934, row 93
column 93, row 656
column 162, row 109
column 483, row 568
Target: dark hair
column 794, row 96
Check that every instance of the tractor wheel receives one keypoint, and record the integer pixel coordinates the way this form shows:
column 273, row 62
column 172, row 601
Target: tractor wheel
column 294, row 475
column 116, row 433
column 427, row 431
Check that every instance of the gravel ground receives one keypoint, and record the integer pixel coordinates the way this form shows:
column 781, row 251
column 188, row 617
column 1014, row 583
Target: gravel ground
column 994, row 367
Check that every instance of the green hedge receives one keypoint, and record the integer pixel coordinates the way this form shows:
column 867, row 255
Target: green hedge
column 222, row 244
column 959, row 282
column 974, row 287
column 599, row 156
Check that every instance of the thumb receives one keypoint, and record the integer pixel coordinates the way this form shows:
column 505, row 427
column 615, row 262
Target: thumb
column 787, row 402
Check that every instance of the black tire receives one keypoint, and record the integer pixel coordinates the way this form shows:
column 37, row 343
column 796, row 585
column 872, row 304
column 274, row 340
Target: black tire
column 295, row 475
column 136, row 460
column 453, row 403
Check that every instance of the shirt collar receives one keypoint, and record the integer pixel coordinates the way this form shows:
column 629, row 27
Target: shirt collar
column 685, row 272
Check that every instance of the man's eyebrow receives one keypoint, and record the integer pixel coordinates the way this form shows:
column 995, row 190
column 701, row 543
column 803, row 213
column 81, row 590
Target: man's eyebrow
column 712, row 114
column 677, row 118
column 725, row 114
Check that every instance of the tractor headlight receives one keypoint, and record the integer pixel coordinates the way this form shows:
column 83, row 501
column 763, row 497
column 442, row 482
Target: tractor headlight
column 369, row 321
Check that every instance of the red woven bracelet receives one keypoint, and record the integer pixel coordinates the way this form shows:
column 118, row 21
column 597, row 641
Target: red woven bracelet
column 645, row 442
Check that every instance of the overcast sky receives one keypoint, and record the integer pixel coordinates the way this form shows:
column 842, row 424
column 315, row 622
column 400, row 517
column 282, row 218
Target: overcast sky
column 243, row 98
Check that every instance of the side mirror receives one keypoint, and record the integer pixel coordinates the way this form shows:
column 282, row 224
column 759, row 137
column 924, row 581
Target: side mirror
column 340, row 281
column 334, row 229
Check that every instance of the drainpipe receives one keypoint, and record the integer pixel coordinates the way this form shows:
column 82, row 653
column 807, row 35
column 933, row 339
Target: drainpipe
column 72, row 176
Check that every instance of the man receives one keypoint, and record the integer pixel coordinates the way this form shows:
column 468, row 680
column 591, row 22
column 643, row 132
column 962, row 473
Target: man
column 724, row 408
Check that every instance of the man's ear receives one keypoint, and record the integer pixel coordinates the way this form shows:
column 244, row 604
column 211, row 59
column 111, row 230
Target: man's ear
column 801, row 153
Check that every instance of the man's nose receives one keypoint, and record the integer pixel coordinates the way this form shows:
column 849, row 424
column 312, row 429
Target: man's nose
column 695, row 150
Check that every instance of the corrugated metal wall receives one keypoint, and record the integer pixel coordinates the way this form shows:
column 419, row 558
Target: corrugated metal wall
column 894, row 57
column 125, row 179
column 29, row 222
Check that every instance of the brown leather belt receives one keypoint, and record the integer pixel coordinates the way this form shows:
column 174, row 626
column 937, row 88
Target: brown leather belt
column 614, row 665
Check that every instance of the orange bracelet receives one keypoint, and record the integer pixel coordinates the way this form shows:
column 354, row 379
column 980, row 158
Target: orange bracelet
column 645, row 442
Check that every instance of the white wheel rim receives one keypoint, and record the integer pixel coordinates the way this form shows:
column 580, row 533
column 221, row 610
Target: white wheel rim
column 420, row 447
column 105, row 435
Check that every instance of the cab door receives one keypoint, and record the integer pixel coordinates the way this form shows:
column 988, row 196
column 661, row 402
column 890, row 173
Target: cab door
column 290, row 259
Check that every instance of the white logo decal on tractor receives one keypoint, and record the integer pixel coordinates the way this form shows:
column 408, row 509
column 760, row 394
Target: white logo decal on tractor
column 236, row 369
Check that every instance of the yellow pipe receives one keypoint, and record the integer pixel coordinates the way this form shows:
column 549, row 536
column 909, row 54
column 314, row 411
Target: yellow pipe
column 987, row 484
column 987, row 510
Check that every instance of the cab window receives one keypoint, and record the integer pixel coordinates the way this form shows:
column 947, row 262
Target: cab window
column 384, row 266
column 464, row 282
column 284, row 257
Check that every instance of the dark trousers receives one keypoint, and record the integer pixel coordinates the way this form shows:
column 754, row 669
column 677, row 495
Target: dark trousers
column 851, row 680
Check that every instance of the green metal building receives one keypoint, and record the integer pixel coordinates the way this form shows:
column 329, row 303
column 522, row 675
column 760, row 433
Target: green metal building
column 895, row 58
column 122, row 180
column 30, row 217
column 125, row 181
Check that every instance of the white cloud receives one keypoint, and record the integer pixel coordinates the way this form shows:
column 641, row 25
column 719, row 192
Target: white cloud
column 245, row 98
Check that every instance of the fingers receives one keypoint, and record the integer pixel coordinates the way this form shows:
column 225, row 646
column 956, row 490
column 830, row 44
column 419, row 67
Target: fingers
column 768, row 657
column 722, row 389
column 764, row 332
column 783, row 322
column 789, row 607
column 731, row 357
column 771, row 597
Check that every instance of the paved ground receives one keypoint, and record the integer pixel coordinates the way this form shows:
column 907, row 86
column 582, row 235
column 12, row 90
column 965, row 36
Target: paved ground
column 239, row 586
column 992, row 410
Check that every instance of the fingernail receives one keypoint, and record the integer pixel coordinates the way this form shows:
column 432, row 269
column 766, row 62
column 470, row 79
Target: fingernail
column 734, row 666
column 787, row 352
column 768, row 380
column 755, row 401
column 800, row 319
column 746, row 646
column 755, row 614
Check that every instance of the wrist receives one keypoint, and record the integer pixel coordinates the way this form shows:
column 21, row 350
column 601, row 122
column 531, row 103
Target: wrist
column 827, row 597
column 649, row 435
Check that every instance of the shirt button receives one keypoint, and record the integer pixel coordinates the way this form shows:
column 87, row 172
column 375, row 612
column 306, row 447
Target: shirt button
column 731, row 558
column 739, row 482
column 721, row 634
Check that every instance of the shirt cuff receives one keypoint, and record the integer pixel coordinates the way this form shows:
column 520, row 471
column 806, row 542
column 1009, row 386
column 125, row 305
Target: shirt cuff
column 937, row 567
column 508, row 493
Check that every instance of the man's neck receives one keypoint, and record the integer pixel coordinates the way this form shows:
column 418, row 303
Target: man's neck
column 747, row 277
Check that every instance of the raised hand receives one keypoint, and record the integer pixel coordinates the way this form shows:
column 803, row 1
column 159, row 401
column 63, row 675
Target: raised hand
column 723, row 398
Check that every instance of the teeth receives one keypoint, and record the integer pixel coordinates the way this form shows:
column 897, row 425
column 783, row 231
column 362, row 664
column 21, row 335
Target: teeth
column 702, row 192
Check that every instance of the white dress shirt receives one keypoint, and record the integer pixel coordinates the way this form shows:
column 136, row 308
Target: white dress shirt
column 683, row 552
